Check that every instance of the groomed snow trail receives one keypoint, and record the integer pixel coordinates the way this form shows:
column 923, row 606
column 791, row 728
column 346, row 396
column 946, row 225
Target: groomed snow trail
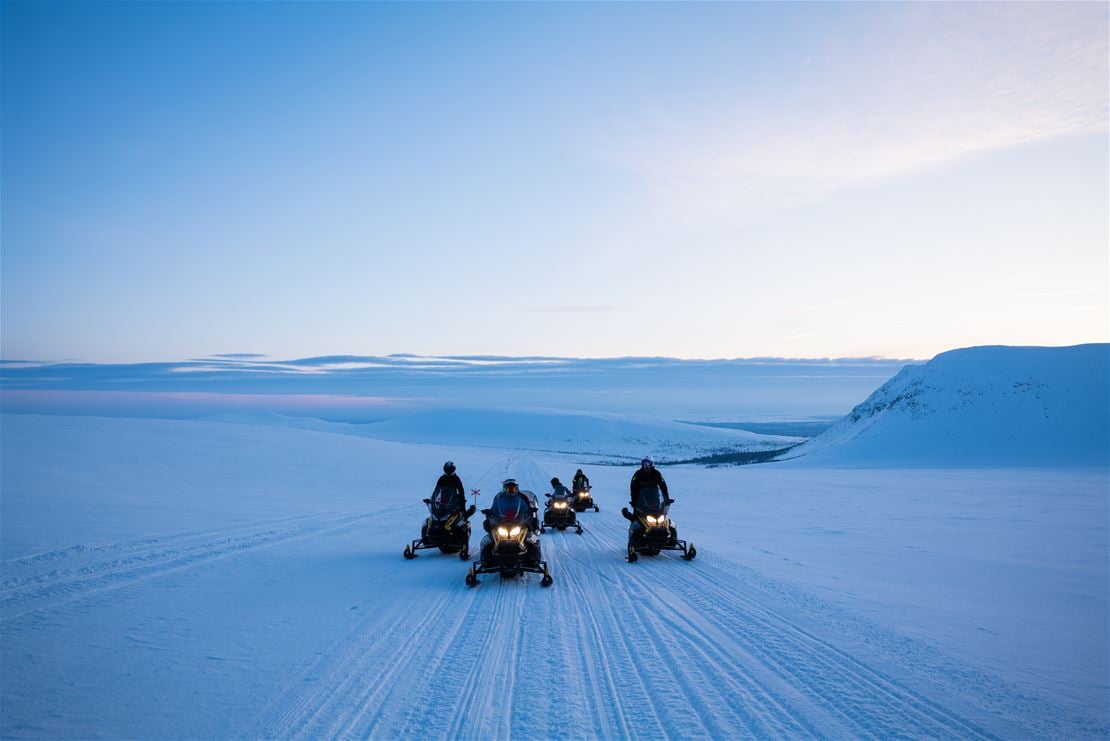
column 661, row 648
column 314, row 627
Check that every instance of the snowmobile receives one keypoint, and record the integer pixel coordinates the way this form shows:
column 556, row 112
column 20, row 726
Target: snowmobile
column 584, row 500
column 445, row 528
column 651, row 530
column 559, row 512
column 512, row 546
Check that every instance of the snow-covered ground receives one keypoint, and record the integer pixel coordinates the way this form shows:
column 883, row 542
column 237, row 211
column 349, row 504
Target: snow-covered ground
column 186, row 579
column 596, row 437
column 936, row 565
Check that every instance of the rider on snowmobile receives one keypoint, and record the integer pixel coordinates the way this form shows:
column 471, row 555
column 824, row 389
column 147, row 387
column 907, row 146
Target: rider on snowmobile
column 651, row 529
column 510, row 488
column 647, row 475
column 451, row 481
column 557, row 489
column 580, row 481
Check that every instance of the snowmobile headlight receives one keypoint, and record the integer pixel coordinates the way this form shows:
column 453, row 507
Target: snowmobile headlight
column 502, row 532
column 560, row 505
column 515, row 531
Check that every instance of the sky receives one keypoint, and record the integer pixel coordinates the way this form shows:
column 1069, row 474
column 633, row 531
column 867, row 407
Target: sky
column 692, row 180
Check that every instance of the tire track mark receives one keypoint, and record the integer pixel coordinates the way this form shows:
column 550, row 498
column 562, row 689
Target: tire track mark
column 773, row 719
column 342, row 686
column 877, row 705
column 600, row 666
column 99, row 578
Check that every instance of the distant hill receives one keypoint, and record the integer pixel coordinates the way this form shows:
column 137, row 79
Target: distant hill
column 597, row 437
column 981, row 406
column 613, row 437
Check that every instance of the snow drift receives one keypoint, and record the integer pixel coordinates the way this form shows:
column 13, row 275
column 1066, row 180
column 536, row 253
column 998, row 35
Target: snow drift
column 169, row 579
column 982, row 406
column 597, row 436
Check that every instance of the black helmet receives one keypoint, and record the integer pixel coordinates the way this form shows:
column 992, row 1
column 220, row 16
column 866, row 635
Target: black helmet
column 510, row 485
column 579, row 471
column 555, row 481
column 647, row 462
column 449, row 467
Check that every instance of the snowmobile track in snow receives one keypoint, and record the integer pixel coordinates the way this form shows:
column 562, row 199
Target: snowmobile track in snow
column 764, row 673
column 83, row 571
column 658, row 648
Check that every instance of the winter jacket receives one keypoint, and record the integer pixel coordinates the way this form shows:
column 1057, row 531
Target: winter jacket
column 645, row 477
column 452, row 481
column 559, row 489
column 581, row 482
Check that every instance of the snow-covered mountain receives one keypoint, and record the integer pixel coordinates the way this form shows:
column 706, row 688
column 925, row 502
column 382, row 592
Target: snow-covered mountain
column 982, row 406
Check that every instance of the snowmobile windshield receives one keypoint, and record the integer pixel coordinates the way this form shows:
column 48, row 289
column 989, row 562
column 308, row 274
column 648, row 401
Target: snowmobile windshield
column 649, row 501
column 445, row 501
column 510, row 508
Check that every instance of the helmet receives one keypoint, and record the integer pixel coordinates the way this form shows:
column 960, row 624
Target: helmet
column 647, row 462
column 555, row 481
column 449, row 467
column 510, row 485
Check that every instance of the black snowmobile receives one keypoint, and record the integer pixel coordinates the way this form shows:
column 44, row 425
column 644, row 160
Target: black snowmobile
column 651, row 530
column 445, row 528
column 584, row 500
column 512, row 546
column 559, row 512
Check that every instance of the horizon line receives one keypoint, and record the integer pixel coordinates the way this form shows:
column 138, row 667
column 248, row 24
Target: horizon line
column 403, row 358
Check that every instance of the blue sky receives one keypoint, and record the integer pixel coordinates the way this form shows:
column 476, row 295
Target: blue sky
column 690, row 180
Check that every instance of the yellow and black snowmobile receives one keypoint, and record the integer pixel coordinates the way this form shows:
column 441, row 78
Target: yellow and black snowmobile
column 446, row 528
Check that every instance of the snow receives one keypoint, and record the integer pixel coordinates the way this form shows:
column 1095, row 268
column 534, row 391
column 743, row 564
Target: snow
column 366, row 389
column 597, row 437
column 982, row 406
column 208, row 579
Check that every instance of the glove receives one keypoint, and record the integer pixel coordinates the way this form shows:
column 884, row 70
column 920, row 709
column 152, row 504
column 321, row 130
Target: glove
column 627, row 515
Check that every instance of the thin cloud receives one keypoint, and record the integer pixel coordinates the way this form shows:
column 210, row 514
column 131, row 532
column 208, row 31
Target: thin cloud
column 926, row 85
column 1055, row 294
column 835, row 306
column 572, row 309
